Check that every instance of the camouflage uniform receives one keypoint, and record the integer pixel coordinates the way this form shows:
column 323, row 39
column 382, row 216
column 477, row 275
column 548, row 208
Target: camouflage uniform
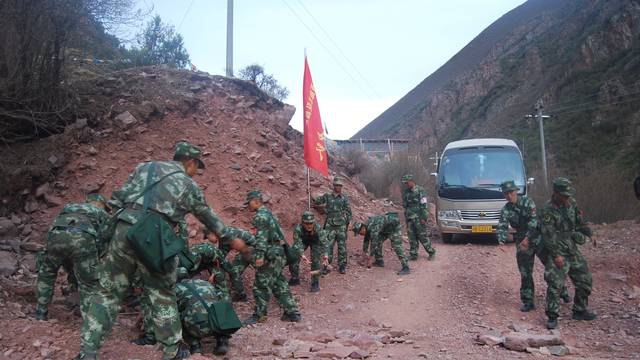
column 193, row 315
column 239, row 263
column 73, row 241
column 379, row 228
column 338, row 211
column 172, row 197
column 563, row 229
column 316, row 240
column 416, row 214
column 269, row 277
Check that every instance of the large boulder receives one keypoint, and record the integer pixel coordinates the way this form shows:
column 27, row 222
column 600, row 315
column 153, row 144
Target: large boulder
column 8, row 263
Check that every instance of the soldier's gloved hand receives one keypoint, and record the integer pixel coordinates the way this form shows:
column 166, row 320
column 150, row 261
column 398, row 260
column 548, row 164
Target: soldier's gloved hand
column 524, row 245
column 559, row 261
column 259, row 262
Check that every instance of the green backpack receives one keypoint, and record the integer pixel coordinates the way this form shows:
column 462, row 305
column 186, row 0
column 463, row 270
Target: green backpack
column 152, row 238
column 222, row 317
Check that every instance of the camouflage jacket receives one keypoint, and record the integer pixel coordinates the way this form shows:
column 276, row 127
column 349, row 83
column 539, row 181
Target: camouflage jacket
column 379, row 227
column 231, row 233
column 521, row 216
column 189, row 304
column 302, row 238
column 336, row 207
column 563, row 228
column 84, row 217
column 267, row 231
column 415, row 203
column 174, row 197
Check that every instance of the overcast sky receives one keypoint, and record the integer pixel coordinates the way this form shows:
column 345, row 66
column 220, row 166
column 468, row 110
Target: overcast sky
column 364, row 55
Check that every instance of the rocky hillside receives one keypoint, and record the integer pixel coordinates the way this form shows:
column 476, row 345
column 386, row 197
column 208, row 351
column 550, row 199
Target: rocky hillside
column 138, row 115
column 581, row 57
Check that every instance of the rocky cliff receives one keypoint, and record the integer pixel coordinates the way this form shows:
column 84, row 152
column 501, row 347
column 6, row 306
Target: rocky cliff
column 581, row 57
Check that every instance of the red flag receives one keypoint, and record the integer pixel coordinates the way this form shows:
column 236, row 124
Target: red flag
column 315, row 152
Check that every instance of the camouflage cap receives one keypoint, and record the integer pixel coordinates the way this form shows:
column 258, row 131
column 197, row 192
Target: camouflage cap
column 95, row 197
column 187, row 149
column 406, row 178
column 253, row 194
column 337, row 181
column 308, row 218
column 356, row 228
column 508, row 186
column 563, row 186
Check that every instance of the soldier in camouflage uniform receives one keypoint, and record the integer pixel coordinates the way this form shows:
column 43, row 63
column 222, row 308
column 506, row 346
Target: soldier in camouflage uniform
column 74, row 240
column 305, row 235
column 269, row 261
column 520, row 213
column 416, row 214
column 336, row 206
column 563, row 229
column 241, row 261
column 194, row 316
column 164, row 188
column 376, row 230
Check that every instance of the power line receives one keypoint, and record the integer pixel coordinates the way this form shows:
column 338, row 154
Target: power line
column 328, row 50
column 335, row 44
column 185, row 15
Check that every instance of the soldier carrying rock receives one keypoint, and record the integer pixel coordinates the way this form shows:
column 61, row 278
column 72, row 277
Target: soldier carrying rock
column 376, row 230
column 269, row 261
column 563, row 229
column 309, row 234
column 151, row 206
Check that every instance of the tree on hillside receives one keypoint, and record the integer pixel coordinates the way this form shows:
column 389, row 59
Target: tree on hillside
column 159, row 44
column 255, row 73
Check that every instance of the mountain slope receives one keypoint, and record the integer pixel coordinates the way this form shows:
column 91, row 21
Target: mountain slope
column 581, row 57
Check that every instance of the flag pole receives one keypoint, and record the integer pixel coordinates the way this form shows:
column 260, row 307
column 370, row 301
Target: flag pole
column 308, row 190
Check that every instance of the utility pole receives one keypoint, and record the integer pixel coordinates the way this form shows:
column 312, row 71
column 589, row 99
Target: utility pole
column 539, row 107
column 229, row 38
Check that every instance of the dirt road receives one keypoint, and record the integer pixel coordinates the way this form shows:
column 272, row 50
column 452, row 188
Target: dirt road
column 437, row 311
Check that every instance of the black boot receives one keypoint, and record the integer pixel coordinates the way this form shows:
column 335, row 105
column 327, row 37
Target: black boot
column 291, row 317
column 413, row 257
column 405, row 270
column 379, row 263
column 85, row 356
column 325, row 270
column 146, row 339
column 183, row 353
column 254, row 319
column 315, row 286
column 294, row 281
column 584, row 315
column 222, row 345
column 195, row 347
column 527, row 307
column 343, row 269
column 42, row 315
column 240, row 297
column 552, row 323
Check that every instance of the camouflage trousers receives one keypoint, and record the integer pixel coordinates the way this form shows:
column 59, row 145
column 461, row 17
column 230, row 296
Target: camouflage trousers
column 316, row 261
column 116, row 273
column 75, row 251
column 396, row 244
column 417, row 234
column 575, row 266
column 270, row 279
column 526, row 261
column 238, row 266
column 337, row 234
